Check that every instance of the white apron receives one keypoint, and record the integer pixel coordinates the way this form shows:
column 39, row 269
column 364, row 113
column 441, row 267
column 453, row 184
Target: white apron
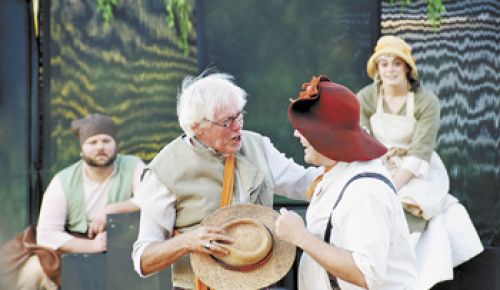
column 429, row 192
column 450, row 237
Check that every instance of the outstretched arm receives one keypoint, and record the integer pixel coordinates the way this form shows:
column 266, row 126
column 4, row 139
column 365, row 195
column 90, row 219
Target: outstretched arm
column 291, row 179
column 80, row 245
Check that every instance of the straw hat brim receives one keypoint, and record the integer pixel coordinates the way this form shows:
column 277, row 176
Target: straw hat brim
column 217, row 277
column 371, row 65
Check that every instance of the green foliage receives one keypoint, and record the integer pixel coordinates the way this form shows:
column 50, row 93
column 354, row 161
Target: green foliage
column 179, row 15
column 105, row 7
column 183, row 17
column 435, row 8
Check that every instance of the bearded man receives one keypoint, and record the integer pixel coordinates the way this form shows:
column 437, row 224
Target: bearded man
column 74, row 207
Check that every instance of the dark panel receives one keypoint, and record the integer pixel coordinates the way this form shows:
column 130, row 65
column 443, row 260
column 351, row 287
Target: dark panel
column 14, row 116
column 83, row 272
column 122, row 233
column 114, row 269
column 273, row 47
column 480, row 273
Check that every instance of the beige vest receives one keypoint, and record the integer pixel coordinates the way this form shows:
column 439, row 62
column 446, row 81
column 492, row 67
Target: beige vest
column 195, row 176
column 72, row 183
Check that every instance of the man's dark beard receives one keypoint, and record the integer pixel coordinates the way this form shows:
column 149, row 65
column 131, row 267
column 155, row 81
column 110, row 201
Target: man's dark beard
column 92, row 163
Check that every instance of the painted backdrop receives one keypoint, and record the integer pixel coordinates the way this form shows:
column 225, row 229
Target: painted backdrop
column 460, row 62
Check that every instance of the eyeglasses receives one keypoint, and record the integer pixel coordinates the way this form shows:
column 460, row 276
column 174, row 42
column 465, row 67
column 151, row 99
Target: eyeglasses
column 229, row 122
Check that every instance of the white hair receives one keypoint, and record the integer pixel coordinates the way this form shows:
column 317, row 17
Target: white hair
column 201, row 96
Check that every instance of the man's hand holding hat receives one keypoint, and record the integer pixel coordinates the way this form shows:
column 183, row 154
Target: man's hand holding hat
column 257, row 258
column 203, row 240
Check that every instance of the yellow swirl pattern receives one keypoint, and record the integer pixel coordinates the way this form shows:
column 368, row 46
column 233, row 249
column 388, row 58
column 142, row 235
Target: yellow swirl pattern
column 129, row 70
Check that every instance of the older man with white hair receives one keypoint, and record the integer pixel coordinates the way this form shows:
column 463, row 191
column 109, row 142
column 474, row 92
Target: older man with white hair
column 215, row 163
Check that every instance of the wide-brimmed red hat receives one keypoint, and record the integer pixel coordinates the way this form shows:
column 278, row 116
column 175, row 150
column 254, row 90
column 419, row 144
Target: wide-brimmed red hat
column 327, row 115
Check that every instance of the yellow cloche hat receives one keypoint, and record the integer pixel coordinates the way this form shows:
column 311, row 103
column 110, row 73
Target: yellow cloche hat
column 392, row 45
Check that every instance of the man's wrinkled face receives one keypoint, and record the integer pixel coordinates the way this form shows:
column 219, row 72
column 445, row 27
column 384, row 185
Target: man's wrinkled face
column 99, row 150
column 223, row 132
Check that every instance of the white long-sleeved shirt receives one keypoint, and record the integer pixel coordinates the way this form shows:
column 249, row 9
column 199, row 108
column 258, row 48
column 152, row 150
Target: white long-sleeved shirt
column 368, row 222
column 291, row 180
column 51, row 230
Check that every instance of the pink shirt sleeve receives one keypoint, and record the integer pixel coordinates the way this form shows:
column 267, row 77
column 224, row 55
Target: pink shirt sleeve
column 50, row 231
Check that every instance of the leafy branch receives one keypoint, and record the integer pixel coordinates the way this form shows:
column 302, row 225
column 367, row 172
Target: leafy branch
column 183, row 17
column 179, row 16
column 435, row 9
column 105, row 7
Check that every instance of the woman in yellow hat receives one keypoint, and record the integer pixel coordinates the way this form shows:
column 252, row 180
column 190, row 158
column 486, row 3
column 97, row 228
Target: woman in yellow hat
column 404, row 116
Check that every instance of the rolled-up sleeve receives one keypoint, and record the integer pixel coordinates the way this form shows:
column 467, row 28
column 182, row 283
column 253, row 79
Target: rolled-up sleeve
column 291, row 180
column 366, row 229
column 157, row 220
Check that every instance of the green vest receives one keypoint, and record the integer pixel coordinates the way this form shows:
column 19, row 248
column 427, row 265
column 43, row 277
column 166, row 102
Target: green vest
column 195, row 176
column 72, row 183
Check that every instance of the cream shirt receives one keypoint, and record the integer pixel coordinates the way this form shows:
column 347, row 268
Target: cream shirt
column 369, row 222
column 291, row 180
column 51, row 230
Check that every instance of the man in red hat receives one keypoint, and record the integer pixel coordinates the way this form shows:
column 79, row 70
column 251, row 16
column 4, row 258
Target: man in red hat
column 356, row 236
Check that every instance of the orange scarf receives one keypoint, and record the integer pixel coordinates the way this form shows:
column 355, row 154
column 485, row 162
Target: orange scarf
column 225, row 200
column 316, row 181
column 228, row 182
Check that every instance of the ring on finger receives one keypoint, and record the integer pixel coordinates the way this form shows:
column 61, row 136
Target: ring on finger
column 208, row 245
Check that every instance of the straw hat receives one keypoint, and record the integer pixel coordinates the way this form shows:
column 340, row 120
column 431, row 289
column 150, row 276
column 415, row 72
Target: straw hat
column 257, row 258
column 327, row 115
column 392, row 45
